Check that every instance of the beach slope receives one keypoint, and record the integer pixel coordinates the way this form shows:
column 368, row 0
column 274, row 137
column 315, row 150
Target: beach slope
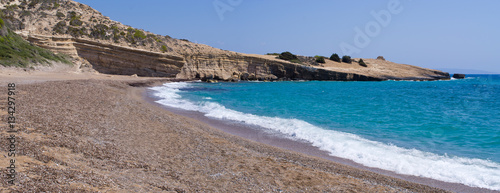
column 101, row 135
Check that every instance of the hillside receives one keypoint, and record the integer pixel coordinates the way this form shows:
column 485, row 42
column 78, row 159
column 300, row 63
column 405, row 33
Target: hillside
column 15, row 51
column 65, row 26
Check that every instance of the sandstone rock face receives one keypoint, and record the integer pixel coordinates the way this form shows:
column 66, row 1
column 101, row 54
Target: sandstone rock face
column 111, row 59
column 255, row 68
column 56, row 44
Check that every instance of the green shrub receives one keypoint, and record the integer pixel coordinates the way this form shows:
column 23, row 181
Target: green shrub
column 346, row 59
column 319, row 59
column 77, row 32
column 186, row 40
column 60, row 15
column 164, row 48
column 99, row 31
column 74, row 19
column 335, row 57
column 362, row 63
column 25, row 13
column 59, row 27
column 76, row 22
column 1, row 23
column 288, row 56
column 139, row 34
column 15, row 51
column 33, row 3
column 274, row 54
column 56, row 5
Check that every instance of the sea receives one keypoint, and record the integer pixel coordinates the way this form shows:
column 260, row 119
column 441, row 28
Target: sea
column 445, row 130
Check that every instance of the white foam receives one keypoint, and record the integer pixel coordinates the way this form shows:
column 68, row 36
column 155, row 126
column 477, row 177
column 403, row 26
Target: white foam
column 471, row 172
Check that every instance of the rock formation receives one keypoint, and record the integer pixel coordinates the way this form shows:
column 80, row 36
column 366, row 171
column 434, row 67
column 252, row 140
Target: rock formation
column 459, row 76
column 77, row 30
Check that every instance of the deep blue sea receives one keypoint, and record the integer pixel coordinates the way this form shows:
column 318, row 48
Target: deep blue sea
column 445, row 130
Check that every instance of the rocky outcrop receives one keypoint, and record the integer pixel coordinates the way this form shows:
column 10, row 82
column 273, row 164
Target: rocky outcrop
column 230, row 66
column 459, row 76
column 56, row 44
column 244, row 67
column 111, row 59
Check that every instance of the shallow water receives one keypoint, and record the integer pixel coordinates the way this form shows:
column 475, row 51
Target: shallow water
column 445, row 130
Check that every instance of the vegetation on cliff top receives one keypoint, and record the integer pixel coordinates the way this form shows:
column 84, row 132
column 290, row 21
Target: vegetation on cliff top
column 289, row 57
column 319, row 59
column 362, row 63
column 335, row 57
column 346, row 59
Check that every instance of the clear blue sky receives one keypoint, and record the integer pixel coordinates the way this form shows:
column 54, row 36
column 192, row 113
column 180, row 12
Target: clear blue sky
column 434, row 34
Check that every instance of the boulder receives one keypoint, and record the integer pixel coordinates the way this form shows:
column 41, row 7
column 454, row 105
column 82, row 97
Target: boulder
column 459, row 76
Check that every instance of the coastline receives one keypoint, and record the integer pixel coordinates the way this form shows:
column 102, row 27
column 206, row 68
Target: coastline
column 104, row 133
column 274, row 139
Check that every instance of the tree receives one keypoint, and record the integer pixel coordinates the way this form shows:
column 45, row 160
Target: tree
column 335, row 57
column 346, row 59
column 288, row 56
column 362, row 63
column 164, row 48
column 320, row 59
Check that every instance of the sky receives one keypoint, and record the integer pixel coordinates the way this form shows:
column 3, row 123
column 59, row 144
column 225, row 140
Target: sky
column 455, row 36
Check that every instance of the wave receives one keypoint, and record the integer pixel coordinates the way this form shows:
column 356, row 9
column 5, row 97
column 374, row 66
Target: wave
column 468, row 171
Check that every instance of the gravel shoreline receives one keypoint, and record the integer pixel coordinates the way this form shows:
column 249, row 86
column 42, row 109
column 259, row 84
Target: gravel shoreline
column 101, row 135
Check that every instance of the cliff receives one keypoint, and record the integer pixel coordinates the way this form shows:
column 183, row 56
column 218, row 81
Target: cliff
column 75, row 29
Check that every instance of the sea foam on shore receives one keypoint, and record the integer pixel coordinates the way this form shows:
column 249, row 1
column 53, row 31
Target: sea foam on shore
column 469, row 171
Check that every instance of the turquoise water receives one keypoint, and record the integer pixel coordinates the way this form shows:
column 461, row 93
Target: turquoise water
column 446, row 130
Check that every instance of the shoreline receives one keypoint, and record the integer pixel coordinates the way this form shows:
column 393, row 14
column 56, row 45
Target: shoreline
column 275, row 139
column 129, row 142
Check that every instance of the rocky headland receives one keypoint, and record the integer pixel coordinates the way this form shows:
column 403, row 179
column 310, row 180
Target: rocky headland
column 94, row 40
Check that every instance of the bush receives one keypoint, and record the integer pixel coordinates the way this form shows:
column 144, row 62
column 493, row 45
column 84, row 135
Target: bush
column 288, row 56
column 346, row 59
column 164, row 48
column 60, row 15
column 25, row 13
column 320, row 59
column 59, row 27
column 76, row 22
column 362, row 63
column 33, row 3
column 74, row 19
column 77, row 32
column 99, row 31
column 1, row 23
column 335, row 57
column 139, row 34
column 274, row 54
column 15, row 51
